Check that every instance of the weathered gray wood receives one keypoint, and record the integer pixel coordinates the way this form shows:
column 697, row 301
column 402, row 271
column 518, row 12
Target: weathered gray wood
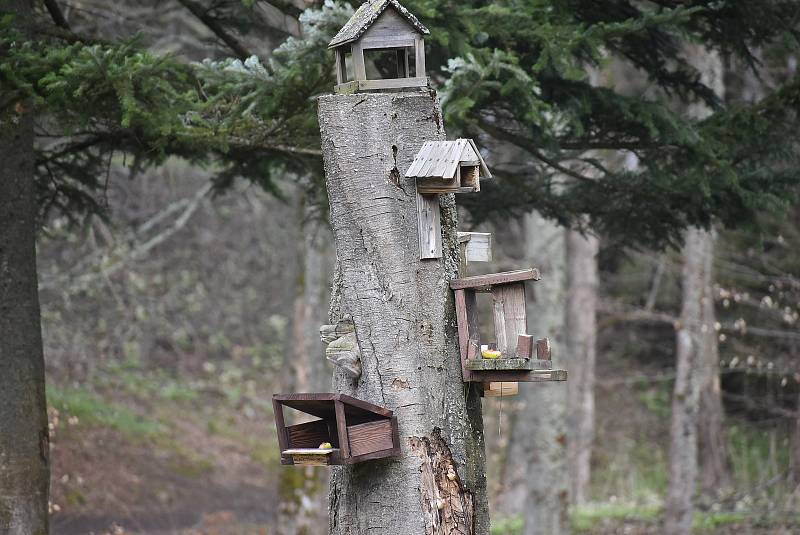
column 404, row 318
column 399, row 42
column 392, row 83
column 429, row 226
column 479, row 246
column 508, row 364
column 369, row 13
column 500, row 389
column 419, row 50
column 340, row 67
column 359, row 69
column 509, row 315
column 484, row 283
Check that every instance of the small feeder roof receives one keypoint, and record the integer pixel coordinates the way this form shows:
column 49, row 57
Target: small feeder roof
column 440, row 159
column 322, row 405
column 366, row 15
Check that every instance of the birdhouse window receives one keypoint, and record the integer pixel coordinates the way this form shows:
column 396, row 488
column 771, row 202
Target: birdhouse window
column 389, row 63
column 345, row 430
column 345, row 66
column 469, row 173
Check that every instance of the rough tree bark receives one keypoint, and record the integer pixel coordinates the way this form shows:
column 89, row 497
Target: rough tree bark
column 581, row 324
column 404, row 320
column 692, row 343
column 24, row 444
column 535, row 472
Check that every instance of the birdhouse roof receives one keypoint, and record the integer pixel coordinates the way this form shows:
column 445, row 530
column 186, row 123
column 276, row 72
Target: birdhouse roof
column 366, row 15
column 440, row 159
column 322, row 405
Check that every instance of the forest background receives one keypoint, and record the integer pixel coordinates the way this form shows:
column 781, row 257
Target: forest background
column 184, row 259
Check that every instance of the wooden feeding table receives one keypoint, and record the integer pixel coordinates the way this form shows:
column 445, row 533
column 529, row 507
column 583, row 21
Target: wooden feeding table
column 517, row 349
column 357, row 430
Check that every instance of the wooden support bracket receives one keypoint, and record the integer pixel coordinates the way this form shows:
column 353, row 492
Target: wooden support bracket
column 429, row 226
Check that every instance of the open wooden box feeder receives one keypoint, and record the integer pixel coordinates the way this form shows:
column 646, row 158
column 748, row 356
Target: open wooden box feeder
column 355, row 430
column 516, row 356
column 380, row 47
column 448, row 167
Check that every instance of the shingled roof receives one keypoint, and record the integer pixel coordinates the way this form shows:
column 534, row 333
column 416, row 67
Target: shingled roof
column 442, row 158
column 366, row 15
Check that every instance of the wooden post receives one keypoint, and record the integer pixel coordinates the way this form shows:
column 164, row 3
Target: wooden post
column 403, row 314
column 510, row 318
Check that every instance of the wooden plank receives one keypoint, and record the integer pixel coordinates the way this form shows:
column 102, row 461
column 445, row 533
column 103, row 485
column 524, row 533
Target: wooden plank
column 393, row 41
column 366, row 405
column 308, row 435
column 341, row 428
column 346, row 88
column 504, row 389
column 359, row 70
column 390, row 24
column 370, row 437
column 480, row 365
column 543, row 349
column 524, row 346
column 280, row 425
column 420, row 159
column 339, row 67
column 391, row 83
column 485, row 282
column 499, row 364
column 419, row 50
column 478, row 246
column 310, row 451
column 509, row 315
column 522, row 376
column 429, row 226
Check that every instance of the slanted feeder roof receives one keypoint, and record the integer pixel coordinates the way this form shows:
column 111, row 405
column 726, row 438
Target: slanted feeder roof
column 366, row 15
column 441, row 159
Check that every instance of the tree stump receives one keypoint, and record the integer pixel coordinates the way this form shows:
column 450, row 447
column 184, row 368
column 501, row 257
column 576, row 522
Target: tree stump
column 405, row 326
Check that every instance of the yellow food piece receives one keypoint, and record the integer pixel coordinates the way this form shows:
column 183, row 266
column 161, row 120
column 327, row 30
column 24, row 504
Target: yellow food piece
column 490, row 354
column 326, row 446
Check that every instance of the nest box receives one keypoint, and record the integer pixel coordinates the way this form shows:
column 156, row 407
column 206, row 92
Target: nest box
column 448, row 167
column 357, row 430
column 380, row 47
column 518, row 357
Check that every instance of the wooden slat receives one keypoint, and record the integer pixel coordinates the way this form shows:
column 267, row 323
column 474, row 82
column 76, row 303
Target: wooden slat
column 370, row 437
column 368, row 43
column 419, row 49
column 429, row 226
column 485, row 282
column 392, row 83
column 280, row 425
column 346, row 88
column 509, row 315
column 524, row 346
column 308, row 435
column 543, row 349
column 522, row 376
column 366, row 405
column 496, row 390
column 419, row 159
column 501, row 364
column 478, row 246
column 341, row 427
column 359, row 70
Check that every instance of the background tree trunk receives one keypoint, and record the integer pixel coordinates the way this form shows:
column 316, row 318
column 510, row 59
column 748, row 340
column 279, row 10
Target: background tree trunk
column 581, row 324
column 536, row 473
column 696, row 352
column 24, row 444
column 302, row 509
column 405, row 324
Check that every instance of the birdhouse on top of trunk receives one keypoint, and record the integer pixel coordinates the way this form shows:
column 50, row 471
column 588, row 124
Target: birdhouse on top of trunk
column 380, row 47
column 448, row 167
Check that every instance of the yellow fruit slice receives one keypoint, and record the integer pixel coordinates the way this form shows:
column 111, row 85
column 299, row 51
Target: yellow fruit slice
column 326, row 446
column 490, row 354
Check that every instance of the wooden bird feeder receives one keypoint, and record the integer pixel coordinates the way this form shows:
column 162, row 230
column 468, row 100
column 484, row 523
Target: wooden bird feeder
column 381, row 47
column 358, row 431
column 448, row 167
column 517, row 348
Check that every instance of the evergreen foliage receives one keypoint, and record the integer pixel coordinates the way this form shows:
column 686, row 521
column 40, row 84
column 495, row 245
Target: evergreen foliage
column 513, row 73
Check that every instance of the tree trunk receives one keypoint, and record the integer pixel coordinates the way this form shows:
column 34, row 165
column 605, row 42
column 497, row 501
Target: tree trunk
column 536, row 473
column 301, row 509
column 405, row 324
column 697, row 373
column 24, row 444
column 582, row 284
column 712, row 448
column 690, row 345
